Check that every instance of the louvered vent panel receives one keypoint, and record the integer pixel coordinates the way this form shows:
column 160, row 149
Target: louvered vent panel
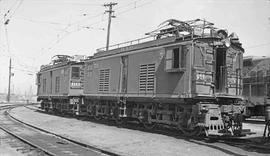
column 104, row 80
column 143, row 77
column 147, row 77
column 151, row 77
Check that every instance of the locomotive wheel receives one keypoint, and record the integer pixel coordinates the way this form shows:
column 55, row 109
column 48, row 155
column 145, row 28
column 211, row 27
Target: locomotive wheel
column 236, row 129
column 119, row 121
column 97, row 117
column 196, row 131
column 145, row 121
column 191, row 131
column 46, row 109
column 235, row 124
column 148, row 126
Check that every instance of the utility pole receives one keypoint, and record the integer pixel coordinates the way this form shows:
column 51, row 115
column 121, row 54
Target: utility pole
column 110, row 12
column 9, row 81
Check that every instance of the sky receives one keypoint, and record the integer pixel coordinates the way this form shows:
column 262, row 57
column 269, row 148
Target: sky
column 40, row 29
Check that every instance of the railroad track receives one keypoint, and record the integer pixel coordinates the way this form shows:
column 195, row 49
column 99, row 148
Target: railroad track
column 44, row 141
column 234, row 141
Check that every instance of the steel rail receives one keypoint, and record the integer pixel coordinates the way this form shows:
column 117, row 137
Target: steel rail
column 226, row 140
column 26, row 141
column 90, row 147
column 20, row 138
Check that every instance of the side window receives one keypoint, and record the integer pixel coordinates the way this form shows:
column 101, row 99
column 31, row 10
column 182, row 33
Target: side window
column 169, row 59
column 175, row 58
column 75, row 72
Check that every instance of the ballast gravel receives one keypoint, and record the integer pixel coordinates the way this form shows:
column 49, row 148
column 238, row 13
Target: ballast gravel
column 121, row 140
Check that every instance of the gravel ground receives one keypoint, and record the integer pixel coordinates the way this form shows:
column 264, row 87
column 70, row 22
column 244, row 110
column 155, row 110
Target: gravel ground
column 6, row 150
column 9, row 146
column 125, row 141
column 257, row 128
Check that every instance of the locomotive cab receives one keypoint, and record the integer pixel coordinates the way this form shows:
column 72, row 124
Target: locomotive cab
column 60, row 85
column 219, row 76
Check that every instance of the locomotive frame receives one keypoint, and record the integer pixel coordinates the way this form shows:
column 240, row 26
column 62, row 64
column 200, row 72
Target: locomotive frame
column 187, row 76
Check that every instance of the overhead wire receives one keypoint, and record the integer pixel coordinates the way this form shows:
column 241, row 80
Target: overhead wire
column 79, row 21
column 59, row 38
column 102, row 13
column 63, row 2
column 22, row 63
column 138, row 6
column 23, row 70
column 7, row 16
column 12, row 6
column 15, row 10
column 88, row 18
column 94, row 23
column 7, row 39
column 127, row 10
column 258, row 45
column 40, row 22
column 131, row 3
column 58, row 23
column 6, row 21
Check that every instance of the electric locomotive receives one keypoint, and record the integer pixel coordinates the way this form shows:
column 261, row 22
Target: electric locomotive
column 185, row 75
column 60, row 84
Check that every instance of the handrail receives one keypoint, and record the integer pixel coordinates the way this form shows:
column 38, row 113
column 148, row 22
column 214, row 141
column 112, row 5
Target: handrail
column 174, row 27
column 128, row 43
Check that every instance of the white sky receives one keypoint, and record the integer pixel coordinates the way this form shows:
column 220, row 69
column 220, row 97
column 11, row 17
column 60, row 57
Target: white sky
column 40, row 29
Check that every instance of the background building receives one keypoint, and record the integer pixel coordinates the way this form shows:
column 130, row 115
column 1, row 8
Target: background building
column 256, row 83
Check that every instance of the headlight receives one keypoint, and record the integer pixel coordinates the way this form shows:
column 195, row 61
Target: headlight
column 227, row 42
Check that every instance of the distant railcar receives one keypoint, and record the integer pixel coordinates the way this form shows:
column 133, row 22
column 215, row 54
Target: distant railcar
column 185, row 75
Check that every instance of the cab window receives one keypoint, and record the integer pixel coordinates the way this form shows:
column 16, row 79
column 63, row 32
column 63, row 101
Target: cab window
column 175, row 58
column 75, row 72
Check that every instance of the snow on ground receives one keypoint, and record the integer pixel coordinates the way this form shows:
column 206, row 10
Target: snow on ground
column 120, row 140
